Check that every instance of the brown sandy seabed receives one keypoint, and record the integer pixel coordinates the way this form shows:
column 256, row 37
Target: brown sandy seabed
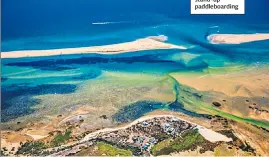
column 244, row 93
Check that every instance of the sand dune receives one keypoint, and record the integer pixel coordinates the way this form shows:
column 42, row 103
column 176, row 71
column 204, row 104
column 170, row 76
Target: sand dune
column 149, row 43
column 236, row 38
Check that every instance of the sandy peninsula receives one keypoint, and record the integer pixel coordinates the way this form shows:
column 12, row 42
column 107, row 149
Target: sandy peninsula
column 236, row 38
column 208, row 134
column 149, row 43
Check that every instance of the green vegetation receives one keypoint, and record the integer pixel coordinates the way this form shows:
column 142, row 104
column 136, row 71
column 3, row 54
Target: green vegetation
column 162, row 146
column 188, row 140
column 60, row 138
column 197, row 105
column 110, row 150
column 33, row 148
column 263, row 124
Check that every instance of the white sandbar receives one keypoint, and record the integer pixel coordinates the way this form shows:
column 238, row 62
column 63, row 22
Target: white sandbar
column 236, row 38
column 149, row 43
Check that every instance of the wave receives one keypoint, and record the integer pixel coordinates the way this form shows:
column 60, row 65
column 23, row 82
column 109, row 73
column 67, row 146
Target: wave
column 160, row 38
column 111, row 22
column 214, row 27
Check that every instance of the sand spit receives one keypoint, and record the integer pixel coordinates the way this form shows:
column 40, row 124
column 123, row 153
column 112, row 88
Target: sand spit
column 208, row 134
column 236, row 38
column 149, row 43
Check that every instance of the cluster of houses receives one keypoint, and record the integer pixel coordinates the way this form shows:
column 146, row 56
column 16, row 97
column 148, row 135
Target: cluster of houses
column 139, row 138
column 144, row 135
column 144, row 143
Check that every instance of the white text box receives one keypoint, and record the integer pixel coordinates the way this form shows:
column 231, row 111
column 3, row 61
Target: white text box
column 217, row 6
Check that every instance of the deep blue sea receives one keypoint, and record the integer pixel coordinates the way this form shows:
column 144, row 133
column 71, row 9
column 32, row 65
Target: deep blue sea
column 45, row 24
column 49, row 24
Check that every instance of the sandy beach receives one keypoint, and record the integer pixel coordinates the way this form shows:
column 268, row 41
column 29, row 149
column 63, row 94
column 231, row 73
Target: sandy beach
column 236, row 38
column 149, row 43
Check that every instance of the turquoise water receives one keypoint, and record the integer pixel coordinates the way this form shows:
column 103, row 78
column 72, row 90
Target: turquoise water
column 49, row 24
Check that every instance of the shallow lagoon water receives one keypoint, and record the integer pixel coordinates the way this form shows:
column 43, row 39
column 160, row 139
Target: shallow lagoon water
column 42, row 75
column 25, row 78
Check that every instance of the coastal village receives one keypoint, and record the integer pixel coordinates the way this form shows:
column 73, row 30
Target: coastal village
column 156, row 135
column 144, row 135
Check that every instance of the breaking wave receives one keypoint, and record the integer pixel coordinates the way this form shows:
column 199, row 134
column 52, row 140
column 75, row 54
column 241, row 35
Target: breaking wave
column 111, row 22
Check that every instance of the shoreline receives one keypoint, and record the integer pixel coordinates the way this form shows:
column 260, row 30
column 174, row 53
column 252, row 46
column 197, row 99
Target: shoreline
column 148, row 43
